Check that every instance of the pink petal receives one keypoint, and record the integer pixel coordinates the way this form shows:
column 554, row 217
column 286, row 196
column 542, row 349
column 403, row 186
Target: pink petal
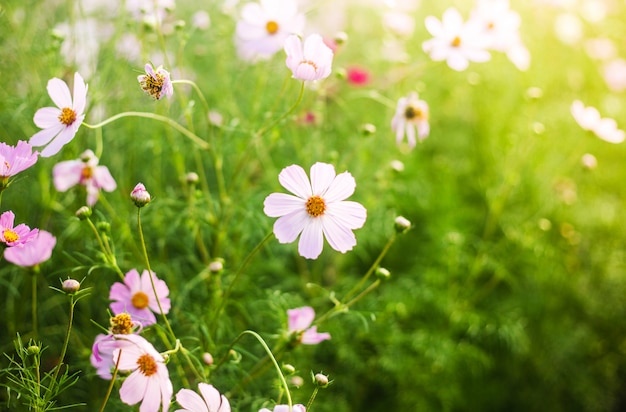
column 339, row 237
column 152, row 396
column 311, row 337
column 191, row 401
column 67, row 174
column 293, row 48
column 288, row 227
column 44, row 136
column 80, row 94
column 342, row 187
column 350, row 214
column 322, row 176
column 294, row 179
column 280, row 204
column 66, row 135
column 134, row 388
column 103, row 179
column 300, row 318
column 119, row 292
column 59, row 93
column 47, row 117
column 311, row 239
column 215, row 401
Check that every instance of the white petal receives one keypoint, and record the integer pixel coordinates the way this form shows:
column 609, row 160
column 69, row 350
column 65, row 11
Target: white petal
column 288, row 227
column 191, row 401
column 66, row 135
column 47, row 117
column 80, row 93
column 67, row 174
column 211, row 396
column 311, row 239
column 349, row 214
column 44, row 136
column 341, row 188
column 59, row 93
column 322, row 176
column 339, row 237
column 103, row 179
column 294, row 179
column 280, row 204
column 133, row 388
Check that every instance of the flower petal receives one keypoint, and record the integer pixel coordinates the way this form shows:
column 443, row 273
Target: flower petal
column 59, row 93
column 280, row 204
column 133, row 388
column 67, row 174
column 191, row 401
column 350, row 214
column 80, row 93
column 288, row 227
column 311, row 239
column 294, row 179
column 152, row 395
column 342, row 187
column 300, row 318
column 215, row 401
column 339, row 236
column 44, row 136
column 66, row 135
column 322, row 176
column 47, row 117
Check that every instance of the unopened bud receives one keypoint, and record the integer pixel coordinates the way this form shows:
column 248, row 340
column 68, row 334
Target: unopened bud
column 104, row 227
column 207, row 358
column 383, row 274
column 289, row 369
column 402, row 224
column 83, row 213
column 216, row 266
column 140, row 195
column 341, row 37
column 296, row 381
column 368, row 129
column 70, row 285
column 589, row 161
column 33, row 349
column 320, row 380
column 192, row 177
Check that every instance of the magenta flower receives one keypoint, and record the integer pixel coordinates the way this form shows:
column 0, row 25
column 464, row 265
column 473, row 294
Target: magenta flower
column 60, row 123
column 285, row 408
column 15, row 236
column 411, row 118
column 149, row 382
column 210, row 401
column 156, row 83
column 299, row 325
column 15, row 159
column 32, row 253
column 136, row 297
column 84, row 171
column 311, row 63
column 317, row 210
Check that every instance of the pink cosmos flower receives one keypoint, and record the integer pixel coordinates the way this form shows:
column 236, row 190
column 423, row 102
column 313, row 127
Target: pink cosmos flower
column 411, row 118
column 358, row 76
column 84, row 171
column 455, row 41
column 285, row 408
column 210, row 401
column 15, row 159
column 317, row 210
column 149, row 382
column 589, row 119
column 314, row 62
column 264, row 27
column 299, row 320
column 15, row 236
column 60, row 123
column 140, row 196
column 156, row 83
column 32, row 253
column 102, row 352
column 136, row 297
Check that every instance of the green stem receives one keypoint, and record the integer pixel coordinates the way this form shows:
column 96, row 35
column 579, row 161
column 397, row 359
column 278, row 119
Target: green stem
column 107, row 251
column 312, row 398
column 108, row 394
column 197, row 89
column 65, row 345
column 192, row 136
column 34, row 302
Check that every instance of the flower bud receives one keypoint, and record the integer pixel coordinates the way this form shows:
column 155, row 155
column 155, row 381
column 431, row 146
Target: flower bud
column 296, row 381
column 83, row 213
column 368, row 129
column 104, row 227
column 140, row 195
column 70, row 285
column 589, row 161
column 320, row 380
column 216, row 266
column 402, row 224
column 341, row 37
column 33, row 349
column 289, row 369
column 207, row 358
column 383, row 274
column 192, row 177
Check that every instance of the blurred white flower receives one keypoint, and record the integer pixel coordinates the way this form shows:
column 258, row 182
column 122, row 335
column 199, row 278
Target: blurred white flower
column 311, row 62
column 600, row 48
column 455, row 41
column 615, row 75
column 568, row 28
column 201, row 20
column 589, row 119
column 399, row 23
column 411, row 118
column 265, row 26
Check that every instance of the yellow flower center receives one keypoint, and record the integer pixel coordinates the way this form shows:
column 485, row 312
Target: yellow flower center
column 86, row 173
column 412, row 112
column 456, row 42
column 271, row 27
column 315, row 206
column 10, row 236
column 140, row 300
column 153, row 85
column 309, row 62
column 67, row 116
column 147, row 365
column 121, row 324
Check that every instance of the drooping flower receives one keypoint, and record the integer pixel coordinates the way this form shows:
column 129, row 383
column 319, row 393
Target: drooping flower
column 84, row 171
column 314, row 62
column 589, row 119
column 264, row 27
column 455, row 41
column 149, row 382
column 411, row 118
column 15, row 159
column 299, row 326
column 156, row 83
column 285, row 408
column 317, row 210
column 60, row 123
column 210, row 401
column 32, row 253
column 136, row 297
column 15, row 236
column 501, row 26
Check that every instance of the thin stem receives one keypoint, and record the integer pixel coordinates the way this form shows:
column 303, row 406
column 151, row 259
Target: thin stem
column 65, row 344
column 197, row 89
column 108, row 394
column 237, row 274
column 34, row 302
column 312, row 398
column 194, row 138
column 363, row 293
column 156, row 295
column 106, row 250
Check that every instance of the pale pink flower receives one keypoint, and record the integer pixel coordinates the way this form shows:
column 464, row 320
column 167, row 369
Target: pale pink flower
column 149, row 382
column 285, row 408
column 455, row 41
column 299, row 325
column 15, row 159
column 314, row 62
column 136, row 297
column 102, row 351
column 60, row 123
column 615, row 75
column 264, row 27
column 156, row 83
column 411, row 118
column 317, row 210
column 140, row 196
column 32, row 253
column 589, row 119
column 15, row 236
column 84, row 171
column 210, row 401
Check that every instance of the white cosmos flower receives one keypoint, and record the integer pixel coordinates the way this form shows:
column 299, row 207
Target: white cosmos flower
column 589, row 119
column 317, row 210
column 411, row 118
column 313, row 62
